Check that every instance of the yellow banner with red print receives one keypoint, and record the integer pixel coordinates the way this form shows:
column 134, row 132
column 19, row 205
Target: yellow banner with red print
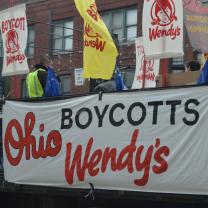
column 100, row 52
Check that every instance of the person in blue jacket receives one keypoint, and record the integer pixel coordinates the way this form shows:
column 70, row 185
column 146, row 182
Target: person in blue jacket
column 203, row 77
column 193, row 66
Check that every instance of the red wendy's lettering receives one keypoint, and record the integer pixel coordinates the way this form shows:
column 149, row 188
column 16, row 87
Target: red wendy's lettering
column 28, row 143
column 14, row 23
column 93, row 39
column 92, row 11
column 10, row 59
column 158, row 33
column 97, row 44
column 130, row 158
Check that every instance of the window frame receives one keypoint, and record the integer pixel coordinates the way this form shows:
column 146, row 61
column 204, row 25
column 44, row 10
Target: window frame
column 70, row 87
column 197, row 55
column 24, row 92
column 54, row 37
column 204, row 2
column 30, row 27
column 124, row 26
column 179, row 62
column 178, row 67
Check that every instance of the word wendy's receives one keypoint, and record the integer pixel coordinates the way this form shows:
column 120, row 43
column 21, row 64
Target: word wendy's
column 153, row 159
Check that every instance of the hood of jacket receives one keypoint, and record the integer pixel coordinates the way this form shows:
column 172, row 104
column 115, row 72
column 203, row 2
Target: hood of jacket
column 40, row 66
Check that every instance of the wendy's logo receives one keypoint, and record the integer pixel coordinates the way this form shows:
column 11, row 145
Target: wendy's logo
column 89, row 32
column 93, row 39
column 163, row 12
column 12, row 41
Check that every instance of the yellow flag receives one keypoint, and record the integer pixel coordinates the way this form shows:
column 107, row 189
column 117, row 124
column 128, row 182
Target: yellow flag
column 99, row 49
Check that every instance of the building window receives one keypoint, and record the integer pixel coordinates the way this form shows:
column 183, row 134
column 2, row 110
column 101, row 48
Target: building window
column 24, row 92
column 65, row 85
column 198, row 57
column 177, row 64
column 122, row 22
column 62, row 37
column 204, row 2
column 178, row 61
column 30, row 50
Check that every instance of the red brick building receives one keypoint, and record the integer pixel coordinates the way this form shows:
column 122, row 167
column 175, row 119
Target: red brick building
column 56, row 28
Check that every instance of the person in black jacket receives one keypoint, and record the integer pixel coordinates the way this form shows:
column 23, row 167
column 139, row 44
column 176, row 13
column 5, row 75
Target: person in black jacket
column 193, row 66
column 43, row 81
column 45, row 63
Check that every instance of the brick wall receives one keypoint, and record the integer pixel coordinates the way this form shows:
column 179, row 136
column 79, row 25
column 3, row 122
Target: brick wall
column 60, row 9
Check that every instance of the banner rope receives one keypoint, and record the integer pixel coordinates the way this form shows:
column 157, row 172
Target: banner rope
column 91, row 192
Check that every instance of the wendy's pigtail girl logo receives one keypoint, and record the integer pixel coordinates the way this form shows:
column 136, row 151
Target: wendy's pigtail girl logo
column 162, row 28
column 13, row 49
column 164, row 21
column 163, row 12
column 12, row 41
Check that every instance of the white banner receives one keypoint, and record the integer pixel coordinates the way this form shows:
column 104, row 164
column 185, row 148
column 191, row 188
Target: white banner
column 13, row 24
column 151, row 68
column 162, row 27
column 149, row 141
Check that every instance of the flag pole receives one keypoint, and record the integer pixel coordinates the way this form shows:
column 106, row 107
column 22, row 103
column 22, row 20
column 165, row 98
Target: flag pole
column 15, row 76
column 144, row 73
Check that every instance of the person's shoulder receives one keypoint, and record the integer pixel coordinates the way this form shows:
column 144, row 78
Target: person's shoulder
column 30, row 73
column 42, row 72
